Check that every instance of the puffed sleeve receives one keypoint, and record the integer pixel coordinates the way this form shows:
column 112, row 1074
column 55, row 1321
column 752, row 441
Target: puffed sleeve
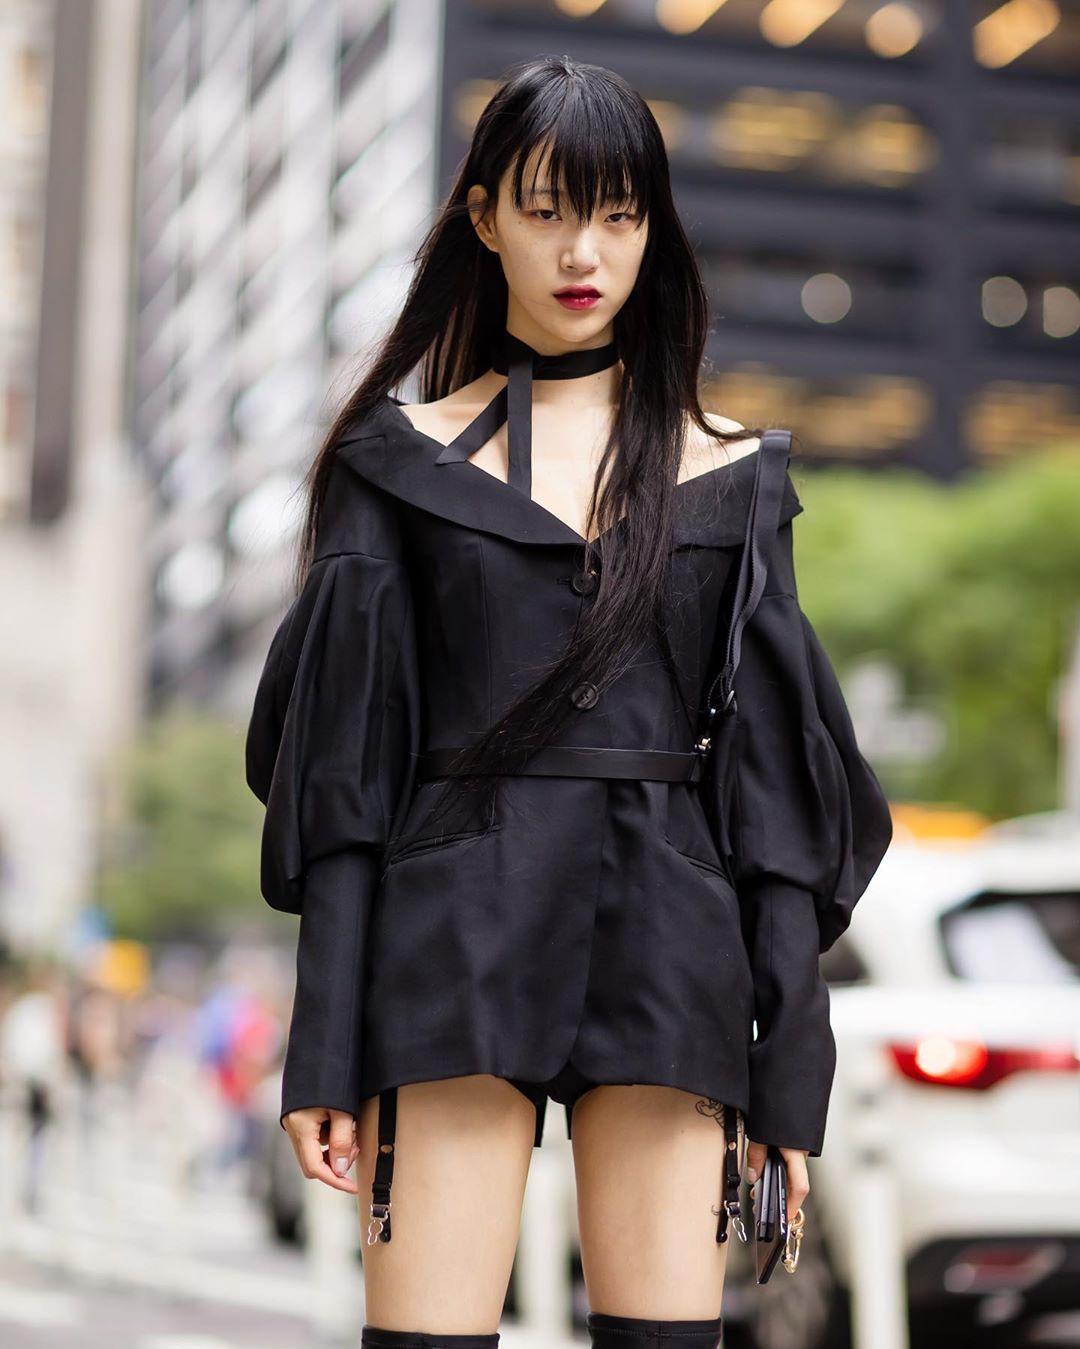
column 806, row 824
column 330, row 750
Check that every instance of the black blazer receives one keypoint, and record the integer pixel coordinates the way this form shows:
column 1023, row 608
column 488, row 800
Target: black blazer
column 596, row 919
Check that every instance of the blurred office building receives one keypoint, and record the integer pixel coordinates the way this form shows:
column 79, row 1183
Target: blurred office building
column 885, row 198
column 70, row 646
column 288, row 160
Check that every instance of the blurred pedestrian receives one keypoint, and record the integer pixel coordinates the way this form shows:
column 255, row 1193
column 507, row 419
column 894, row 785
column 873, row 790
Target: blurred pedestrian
column 32, row 1065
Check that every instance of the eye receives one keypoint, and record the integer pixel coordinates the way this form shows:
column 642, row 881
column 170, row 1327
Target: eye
column 544, row 211
column 628, row 214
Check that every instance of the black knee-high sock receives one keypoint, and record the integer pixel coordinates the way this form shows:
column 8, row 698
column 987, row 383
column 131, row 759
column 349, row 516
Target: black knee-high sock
column 377, row 1338
column 636, row 1332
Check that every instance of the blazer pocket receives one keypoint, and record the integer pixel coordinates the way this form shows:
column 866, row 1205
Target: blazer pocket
column 687, row 833
column 710, row 864
column 426, row 831
column 435, row 844
column 705, row 863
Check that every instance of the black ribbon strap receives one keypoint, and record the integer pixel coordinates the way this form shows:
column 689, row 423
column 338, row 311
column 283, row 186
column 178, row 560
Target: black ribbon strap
column 521, row 364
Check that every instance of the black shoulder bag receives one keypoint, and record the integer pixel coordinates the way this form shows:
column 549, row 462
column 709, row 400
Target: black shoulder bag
column 715, row 744
column 763, row 515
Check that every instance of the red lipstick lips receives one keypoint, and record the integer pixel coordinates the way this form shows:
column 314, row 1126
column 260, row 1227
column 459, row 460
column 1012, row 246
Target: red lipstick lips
column 578, row 297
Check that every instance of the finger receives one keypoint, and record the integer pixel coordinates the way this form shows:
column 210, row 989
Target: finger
column 798, row 1179
column 314, row 1165
column 342, row 1133
column 302, row 1124
column 755, row 1160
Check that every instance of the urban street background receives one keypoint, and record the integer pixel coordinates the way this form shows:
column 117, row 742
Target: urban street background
column 207, row 214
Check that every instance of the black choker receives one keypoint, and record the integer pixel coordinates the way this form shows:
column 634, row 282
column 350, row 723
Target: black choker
column 513, row 404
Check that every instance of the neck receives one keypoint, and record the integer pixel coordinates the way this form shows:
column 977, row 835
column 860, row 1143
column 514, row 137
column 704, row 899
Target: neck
column 579, row 375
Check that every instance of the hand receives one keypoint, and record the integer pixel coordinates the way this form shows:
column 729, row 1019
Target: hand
column 310, row 1130
column 798, row 1182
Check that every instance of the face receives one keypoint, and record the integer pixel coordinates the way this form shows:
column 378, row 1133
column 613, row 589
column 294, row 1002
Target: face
column 543, row 253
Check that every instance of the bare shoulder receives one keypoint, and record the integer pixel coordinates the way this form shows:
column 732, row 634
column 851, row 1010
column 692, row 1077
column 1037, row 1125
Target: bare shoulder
column 444, row 418
column 703, row 453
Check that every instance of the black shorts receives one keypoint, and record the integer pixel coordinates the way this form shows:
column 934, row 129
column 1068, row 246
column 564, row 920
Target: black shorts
column 566, row 1087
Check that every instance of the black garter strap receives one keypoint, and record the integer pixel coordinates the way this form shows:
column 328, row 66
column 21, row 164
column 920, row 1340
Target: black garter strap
column 379, row 1225
column 731, row 1207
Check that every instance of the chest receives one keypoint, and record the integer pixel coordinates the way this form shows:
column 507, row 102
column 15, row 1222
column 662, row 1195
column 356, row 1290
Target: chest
column 567, row 446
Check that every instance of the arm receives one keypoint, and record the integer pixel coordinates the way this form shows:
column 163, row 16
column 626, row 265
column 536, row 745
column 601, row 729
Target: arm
column 808, row 824
column 330, row 749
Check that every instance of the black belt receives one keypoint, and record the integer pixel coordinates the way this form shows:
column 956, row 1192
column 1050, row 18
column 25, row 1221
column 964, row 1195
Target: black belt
column 584, row 761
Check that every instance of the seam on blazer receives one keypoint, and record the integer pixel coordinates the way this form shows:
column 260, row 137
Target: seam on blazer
column 359, row 983
column 295, row 605
column 783, row 553
column 357, row 552
column 810, row 679
column 365, row 913
column 406, row 618
column 772, row 974
column 487, row 628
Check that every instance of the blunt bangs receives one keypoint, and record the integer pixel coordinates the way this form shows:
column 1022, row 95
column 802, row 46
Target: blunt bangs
column 593, row 144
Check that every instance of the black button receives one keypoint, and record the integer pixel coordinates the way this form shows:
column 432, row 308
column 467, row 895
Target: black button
column 584, row 695
column 584, row 582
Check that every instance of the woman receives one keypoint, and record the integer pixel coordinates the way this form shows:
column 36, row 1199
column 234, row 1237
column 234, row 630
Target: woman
column 475, row 734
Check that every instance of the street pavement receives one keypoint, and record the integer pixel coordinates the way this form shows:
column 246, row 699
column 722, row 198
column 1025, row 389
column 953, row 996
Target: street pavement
column 110, row 1234
column 41, row 1307
column 36, row 1313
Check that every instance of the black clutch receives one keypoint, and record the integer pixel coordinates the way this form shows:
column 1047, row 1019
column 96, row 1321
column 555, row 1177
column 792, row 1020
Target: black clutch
column 770, row 1213
column 773, row 1235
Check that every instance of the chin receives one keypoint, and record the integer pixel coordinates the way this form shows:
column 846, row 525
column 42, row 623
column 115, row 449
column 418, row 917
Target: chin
column 578, row 328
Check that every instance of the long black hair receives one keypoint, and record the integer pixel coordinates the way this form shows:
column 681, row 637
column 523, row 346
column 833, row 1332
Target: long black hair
column 600, row 142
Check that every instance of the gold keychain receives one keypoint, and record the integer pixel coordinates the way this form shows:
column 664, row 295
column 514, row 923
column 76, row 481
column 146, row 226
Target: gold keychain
column 791, row 1245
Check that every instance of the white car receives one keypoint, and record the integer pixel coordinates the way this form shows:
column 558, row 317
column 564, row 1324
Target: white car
column 949, row 1181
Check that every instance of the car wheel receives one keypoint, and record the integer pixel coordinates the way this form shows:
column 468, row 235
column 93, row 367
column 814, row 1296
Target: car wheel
column 941, row 1327
column 804, row 1310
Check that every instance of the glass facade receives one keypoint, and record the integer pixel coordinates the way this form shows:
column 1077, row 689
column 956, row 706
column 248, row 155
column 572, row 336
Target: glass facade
column 287, row 161
column 885, row 198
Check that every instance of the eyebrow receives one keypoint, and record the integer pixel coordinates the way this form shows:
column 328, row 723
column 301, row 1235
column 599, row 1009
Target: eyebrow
column 547, row 192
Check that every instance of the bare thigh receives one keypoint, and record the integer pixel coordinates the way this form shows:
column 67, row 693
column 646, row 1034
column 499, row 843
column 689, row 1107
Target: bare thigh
column 461, row 1160
column 649, row 1169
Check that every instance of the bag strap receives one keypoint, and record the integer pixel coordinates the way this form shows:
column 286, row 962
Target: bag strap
column 763, row 517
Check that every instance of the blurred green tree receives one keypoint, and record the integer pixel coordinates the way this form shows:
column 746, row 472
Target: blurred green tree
column 972, row 591
column 183, row 861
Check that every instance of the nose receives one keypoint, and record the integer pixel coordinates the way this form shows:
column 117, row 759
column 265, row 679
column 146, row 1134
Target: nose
column 580, row 253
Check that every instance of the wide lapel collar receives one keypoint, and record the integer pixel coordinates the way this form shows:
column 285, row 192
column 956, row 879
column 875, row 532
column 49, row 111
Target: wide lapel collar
column 385, row 448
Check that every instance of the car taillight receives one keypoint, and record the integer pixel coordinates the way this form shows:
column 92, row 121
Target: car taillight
column 991, row 1266
column 949, row 1062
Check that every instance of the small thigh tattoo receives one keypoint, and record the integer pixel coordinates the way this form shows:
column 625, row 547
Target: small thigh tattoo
column 708, row 1106
column 716, row 1110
